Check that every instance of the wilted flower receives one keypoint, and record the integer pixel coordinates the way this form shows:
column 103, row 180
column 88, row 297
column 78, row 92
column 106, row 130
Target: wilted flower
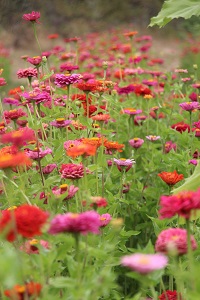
column 144, row 263
column 49, row 168
column 124, row 164
column 174, row 239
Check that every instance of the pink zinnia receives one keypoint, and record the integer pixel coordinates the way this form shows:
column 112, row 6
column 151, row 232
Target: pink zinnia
column 189, row 106
column 60, row 123
column 136, row 142
column 131, row 111
column 64, row 188
column 144, row 263
column 32, row 17
column 49, row 168
column 2, row 81
column 105, row 219
column 27, row 73
column 123, row 163
column 193, row 162
column 174, row 239
column 37, row 153
column 11, row 101
column 169, row 145
column 152, row 137
column 82, row 223
column 36, row 60
column 62, row 80
column 72, row 171
column 182, row 204
column 36, row 96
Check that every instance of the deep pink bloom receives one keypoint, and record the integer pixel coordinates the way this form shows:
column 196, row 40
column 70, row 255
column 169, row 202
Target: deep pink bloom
column 193, row 96
column 36, row 60
column 32, row 17
column 60, row 123
column 68, row 67
column 193, row 162
column 169, row 145
column 49, row 168
column 64, row 188
column 174, row 239
column 36, row 96
column 14, row 114
column 182, row 204
column 196, row 124
column 11, row 101
column 105, row 219
column 82, row 223
column 2, row 81
column 125, row 89
column 124, row 164
column 136, row 142
column 62, row 80
column 27, row 73
column 189, row 106
column 144, row 263
column 72, row 171
column 131, row 111
column 37, row 153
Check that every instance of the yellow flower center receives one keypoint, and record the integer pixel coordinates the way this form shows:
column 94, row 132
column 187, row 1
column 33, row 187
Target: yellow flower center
column 12, row 207
column 33, row 242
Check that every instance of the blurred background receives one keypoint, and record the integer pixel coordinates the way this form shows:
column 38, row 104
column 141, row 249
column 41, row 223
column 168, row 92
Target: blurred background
column 70, row 18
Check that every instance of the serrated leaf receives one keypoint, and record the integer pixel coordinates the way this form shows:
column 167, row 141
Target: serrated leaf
column 173, row 9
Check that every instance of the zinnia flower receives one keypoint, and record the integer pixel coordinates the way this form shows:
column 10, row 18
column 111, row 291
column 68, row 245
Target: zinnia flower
column 169, row 146
column 182, row 204
column 171, row 178
column 83, row 223
column 152, row 137
column 144, row 263
column 27, row 73
column 82, row 149
column 18, row 137
column 31, row 246
column 14, row 114
column 37, row 153
column 27, row 291
column 72, row 171
column 25, row 220
column 105, row 219
column 136, row 142
column 60, row 123
column 64, row 188
column 8, row 160
column 62, row 80
column 36, row 60
column 123, row 163
column 32, row 17
column 174, row 239
column 181, row 126
column 189, row 106
column 170, row 295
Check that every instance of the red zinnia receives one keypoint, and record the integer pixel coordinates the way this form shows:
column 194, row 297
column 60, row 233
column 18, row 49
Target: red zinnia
column 26, row 220
column 27, row 291
column 171, row 178
column 181, row 126
column 170, row 295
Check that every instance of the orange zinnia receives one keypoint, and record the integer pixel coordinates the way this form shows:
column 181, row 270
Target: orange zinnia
column 101, row 117
column 171, row 178
column 8, row 160
column 82, row 149
column 113, row 146
column 95, row 141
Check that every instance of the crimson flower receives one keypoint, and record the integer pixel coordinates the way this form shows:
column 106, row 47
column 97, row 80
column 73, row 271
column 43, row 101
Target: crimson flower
column 32, row 17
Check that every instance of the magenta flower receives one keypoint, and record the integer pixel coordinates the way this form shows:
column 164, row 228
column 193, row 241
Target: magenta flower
column 62, row 80
column 72, row 171
column 131, row 111
column 27, row 73
column 32, row 17
column 60, row 123
column 144, row 263
column 105, row 219
column 193, row 162
column 193, row 96
column 174, row 239
column 169, row 146
column 136, row 142
column 36, row 96
column 68, row 67
column 64, row 188
column 36, row 60
column 152, row 137
column 37, row 153
column 11, row 101
column 189, row 106
column 49, row 168
column 82, row 223
column 124, row 164
column 125, row 89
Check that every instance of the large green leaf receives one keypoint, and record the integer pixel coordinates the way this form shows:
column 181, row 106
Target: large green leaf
column 173, row 9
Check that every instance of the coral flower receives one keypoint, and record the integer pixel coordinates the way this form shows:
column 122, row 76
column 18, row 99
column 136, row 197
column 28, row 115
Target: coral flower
column 32, row 17
column 136, row 142
column 19, row 137
column 18, row 159
column 87, row 87
column 83, row 223
column 82, row 149
column 98, row 202
column 170, row 295
column 95, row 141
column 171, row 178
column 27, row 291
column 101, row 117
column 113, row 146
column 182, row 204
column 25, row 220
column 144, row 263
column 174, row 239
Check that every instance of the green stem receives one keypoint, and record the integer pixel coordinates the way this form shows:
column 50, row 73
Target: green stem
column 36, row 37
column 190, row 255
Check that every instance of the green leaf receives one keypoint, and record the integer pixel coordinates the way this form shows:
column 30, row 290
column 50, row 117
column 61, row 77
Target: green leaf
column 173, row 9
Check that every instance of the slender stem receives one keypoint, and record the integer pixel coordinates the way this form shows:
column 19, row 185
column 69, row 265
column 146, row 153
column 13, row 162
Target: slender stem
column 190, row 255
column 36, row 37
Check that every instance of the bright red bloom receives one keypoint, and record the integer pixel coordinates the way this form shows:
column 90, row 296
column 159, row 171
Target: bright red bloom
column 32, row 17
column 26, row 220
column 182, row 204
column 170, row 295
column 171, row 178
column 181, row 126
column 24, row 292
column 87, row 87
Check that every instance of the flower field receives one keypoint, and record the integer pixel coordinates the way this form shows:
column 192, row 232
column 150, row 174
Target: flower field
column 99, row 172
